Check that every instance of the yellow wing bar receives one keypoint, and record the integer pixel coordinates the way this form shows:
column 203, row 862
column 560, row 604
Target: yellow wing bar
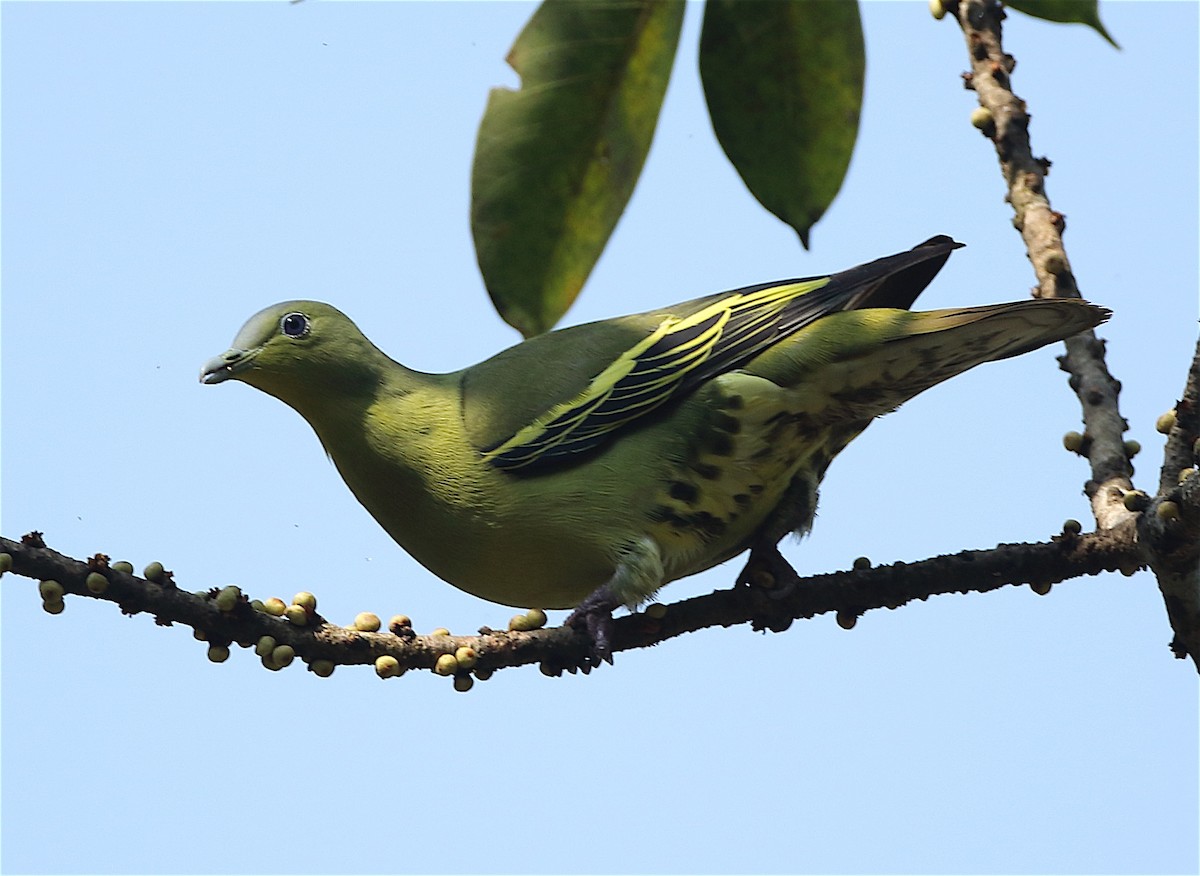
column 678, row 355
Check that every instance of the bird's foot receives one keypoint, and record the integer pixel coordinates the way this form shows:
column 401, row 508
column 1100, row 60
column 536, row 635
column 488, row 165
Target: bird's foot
column 594, row 615
column 767, row 570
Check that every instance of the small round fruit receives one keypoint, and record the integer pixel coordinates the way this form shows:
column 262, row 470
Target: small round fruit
column 861, row 563
column 1073, row 441
column 154, row 572
column 96, row 583
column 51, row 591
column 257, row 604
column 483, row 674
column 446, row 665
column 54, row 606
column 938, row 9
column 218, row 653
column 266, row 645
column 1165, row 422
column 387, row 666
column 1135, row 500
column 847, row 620
column 296, row 614
column 283, row 655
column 122, row 566
column 400, row 622
column 1132, row 448
column 275, row 606
column 1041, row 588
column 1167, row 511
column 306, row 599
column 536, row 618
column 981, row 118
column 1072, row 527
column 466, row 657
column 5, row 563
column 229, row 597
column 656, row 610
column 518, row 623
column 322, row 668
column 367, row 622
column 463, row 683
column 440, row 631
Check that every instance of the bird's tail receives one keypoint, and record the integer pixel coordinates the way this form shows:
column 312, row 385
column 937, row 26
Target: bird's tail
column 861, row 364
column 997, row 331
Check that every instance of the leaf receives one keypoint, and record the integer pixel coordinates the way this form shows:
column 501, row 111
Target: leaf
column 784, row 83
column 1065, row 11
column 556, row 161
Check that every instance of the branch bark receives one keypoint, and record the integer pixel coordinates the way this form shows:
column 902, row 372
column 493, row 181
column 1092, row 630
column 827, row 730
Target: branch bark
column 849, row 594
column 1168, row 528
column 1041, row 228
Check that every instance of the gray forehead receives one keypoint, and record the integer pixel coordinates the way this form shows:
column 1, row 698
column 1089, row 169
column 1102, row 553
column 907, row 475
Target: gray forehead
column 263, row 324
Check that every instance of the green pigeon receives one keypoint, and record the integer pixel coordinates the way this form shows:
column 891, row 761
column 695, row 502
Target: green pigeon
column 586, row 467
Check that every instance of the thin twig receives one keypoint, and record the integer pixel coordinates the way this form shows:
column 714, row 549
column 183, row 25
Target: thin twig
column 1041, row 228
column 1169, row 528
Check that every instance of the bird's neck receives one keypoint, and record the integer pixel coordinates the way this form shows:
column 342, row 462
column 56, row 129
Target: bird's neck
column 404, row 455
column 343, row 410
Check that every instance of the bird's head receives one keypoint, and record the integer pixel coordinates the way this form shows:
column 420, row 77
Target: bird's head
column 296, row 348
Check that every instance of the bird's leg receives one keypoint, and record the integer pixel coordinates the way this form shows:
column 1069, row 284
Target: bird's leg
column 638, row 574
column 766, row 568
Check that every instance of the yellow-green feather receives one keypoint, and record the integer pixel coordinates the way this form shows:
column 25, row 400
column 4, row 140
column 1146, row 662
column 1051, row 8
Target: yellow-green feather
column 650, row 372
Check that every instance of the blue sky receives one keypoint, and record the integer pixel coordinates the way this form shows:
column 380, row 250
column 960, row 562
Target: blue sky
column 169, row 169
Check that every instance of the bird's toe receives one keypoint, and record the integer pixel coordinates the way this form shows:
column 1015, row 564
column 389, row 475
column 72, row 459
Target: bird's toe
column 594, row 615
column 767, row 570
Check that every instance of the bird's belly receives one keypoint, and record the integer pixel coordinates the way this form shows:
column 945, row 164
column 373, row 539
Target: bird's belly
column 700, row 482
column 520, row 554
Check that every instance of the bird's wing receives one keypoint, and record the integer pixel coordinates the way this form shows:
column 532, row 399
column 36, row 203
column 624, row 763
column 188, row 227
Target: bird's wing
column 693, row 343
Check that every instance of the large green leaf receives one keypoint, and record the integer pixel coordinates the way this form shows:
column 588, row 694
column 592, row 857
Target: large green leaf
column 1066, row 11
column 556, row 161
column 784, row 83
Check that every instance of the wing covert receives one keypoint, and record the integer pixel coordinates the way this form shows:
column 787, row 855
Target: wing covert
column 678, row 355
column 721, row 334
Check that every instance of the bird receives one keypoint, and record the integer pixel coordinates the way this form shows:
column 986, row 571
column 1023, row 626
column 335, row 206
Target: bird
column 586, row 467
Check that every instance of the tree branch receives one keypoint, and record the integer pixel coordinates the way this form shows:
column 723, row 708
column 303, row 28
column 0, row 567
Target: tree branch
column 1006, row 122
column 1169, row 529
column 849, row 594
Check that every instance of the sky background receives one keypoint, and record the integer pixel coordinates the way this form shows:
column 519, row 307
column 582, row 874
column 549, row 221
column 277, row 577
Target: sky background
column 169, row 169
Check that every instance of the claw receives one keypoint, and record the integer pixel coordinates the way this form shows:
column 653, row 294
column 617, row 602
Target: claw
column 638, row 573
column 595, row 615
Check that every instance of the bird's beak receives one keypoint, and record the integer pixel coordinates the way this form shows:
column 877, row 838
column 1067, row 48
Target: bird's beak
column 226, row 366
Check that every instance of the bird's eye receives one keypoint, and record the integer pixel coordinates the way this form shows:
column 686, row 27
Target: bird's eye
column 294, row 325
